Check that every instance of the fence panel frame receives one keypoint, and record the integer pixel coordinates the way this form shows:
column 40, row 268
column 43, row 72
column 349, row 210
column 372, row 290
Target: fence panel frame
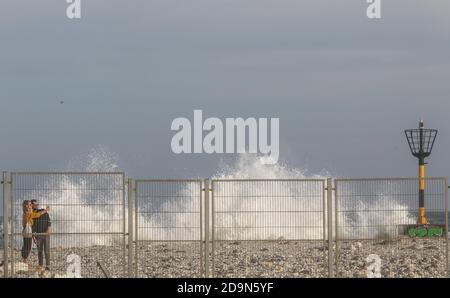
column 122, row 233
column 336, row 211
column 323, row 212
column 201, row 229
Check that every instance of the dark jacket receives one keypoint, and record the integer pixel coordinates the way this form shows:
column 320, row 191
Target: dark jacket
column 42, row 223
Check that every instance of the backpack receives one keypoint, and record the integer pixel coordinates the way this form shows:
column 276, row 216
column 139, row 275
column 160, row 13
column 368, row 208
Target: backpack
column 27, row 231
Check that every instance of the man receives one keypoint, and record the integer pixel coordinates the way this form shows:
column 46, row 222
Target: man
column 42, row 227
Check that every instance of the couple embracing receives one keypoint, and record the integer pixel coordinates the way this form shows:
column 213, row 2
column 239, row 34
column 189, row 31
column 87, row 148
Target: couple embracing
column 36, row 228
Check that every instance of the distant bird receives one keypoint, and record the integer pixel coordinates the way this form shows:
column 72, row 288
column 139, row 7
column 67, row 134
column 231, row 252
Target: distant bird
column 61, row 102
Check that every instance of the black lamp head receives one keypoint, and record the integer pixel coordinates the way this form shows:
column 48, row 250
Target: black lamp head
column 421, row 140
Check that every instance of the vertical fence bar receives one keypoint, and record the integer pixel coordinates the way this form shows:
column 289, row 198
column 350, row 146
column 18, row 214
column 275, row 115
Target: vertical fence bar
column 5, row 225
column 324, row 218
column 131, row 199
column 213, row 252
column 124, row 236
column 330, row 227
column 336, row 228
column 201, row 229
column 206, row 184
column 324, row 211
column 446, row 228
column 136, row 234
column 13, row 220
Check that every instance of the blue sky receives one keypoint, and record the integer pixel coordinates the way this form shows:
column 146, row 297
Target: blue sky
column 344, row 87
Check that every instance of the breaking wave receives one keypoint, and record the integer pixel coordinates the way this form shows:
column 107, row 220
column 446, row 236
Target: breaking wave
column 244, row 210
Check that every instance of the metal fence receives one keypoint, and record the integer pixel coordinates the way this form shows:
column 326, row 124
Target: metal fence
column 87, row 216
column 168, row 228
column 269, row 228
column 372, row 220
column 228, row 228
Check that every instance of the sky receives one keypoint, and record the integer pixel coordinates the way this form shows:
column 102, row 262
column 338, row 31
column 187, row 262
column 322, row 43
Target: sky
column 344, row 87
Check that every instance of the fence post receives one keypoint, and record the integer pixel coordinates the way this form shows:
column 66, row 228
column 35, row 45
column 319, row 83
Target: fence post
column 202, row 268
column 206, row 185
column 131, row 204
column 446, row 229
column 213, row 236
column 5, row 224
column 336, row 227
column 330, row 227
column 136, row 231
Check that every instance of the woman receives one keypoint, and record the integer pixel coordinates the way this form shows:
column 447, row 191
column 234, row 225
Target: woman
column 27, row 223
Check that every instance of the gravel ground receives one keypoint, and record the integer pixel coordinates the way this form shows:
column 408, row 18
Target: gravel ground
column 399, row 258
column 403, row 257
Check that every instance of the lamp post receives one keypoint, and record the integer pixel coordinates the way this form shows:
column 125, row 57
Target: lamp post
column 421, row 143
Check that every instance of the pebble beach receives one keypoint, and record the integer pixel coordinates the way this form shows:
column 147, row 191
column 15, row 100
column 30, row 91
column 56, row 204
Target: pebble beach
column 405, row 257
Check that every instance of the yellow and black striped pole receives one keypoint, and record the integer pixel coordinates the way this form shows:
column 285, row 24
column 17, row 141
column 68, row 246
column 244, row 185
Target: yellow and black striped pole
column 421, row 143
column 422, row 220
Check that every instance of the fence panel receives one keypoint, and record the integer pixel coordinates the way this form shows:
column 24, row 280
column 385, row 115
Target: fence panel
column 87, row 216
column 373, row 217
column 269, row 228
column 168, row 228
column 255, row 228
